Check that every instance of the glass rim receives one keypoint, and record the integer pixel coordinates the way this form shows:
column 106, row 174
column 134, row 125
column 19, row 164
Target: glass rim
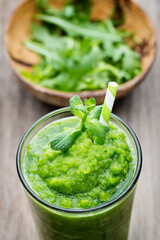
column 53, row 207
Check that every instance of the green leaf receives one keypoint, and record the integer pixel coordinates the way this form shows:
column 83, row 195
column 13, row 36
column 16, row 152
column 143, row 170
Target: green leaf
column 45, row 7
column 90, row 104
column 42, row 50
column 96, row 128
column 42, row 34
column 110, row 26
column 77, row 107
column 118, row 15
column 106, row 67
column 123, row 51
column 68, row 11
column 77, row 30
column 108, row 47
column 64, row 140
column 95, row 113
column 42, row 5
column 78, row 54
column 57, row 82
column 82, row 109
column 90, row 60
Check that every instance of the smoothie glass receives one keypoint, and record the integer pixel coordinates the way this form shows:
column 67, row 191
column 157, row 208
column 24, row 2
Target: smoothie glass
column 109, row 221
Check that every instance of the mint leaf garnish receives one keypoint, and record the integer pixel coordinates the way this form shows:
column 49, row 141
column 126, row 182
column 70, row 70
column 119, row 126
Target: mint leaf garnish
column 77, row 107
column 96, row 128
column 95, row 113
column 90, row 104
column 89, row 115
column 64, row 140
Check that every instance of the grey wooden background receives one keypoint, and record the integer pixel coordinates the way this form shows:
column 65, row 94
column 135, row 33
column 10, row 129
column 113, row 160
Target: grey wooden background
column 18, row 110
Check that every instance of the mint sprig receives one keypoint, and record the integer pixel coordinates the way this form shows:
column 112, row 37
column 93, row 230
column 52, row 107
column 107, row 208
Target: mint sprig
column 89, row 115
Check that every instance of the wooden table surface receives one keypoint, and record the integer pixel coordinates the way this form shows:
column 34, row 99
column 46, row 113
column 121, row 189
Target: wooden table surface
column 18, row 110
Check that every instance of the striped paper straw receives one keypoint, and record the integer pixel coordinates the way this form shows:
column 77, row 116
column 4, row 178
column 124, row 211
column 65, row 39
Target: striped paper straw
column 108, row 102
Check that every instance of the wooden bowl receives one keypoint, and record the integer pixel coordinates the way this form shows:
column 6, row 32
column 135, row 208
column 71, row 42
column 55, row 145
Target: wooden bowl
column 19, row 30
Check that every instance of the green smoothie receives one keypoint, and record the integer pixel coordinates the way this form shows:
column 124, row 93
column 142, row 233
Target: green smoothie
column 87, row 174
column 82, row 189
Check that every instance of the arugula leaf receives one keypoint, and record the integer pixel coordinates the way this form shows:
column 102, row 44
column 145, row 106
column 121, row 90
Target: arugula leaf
column 90, row 60
column 106, row 67
column 110, row 27
column 56, row 82
column 78, row 54
column 41, row 34
column 123, row 50
column 64, row 140
column 42, row 50
column 96, row 128
column 75, row 29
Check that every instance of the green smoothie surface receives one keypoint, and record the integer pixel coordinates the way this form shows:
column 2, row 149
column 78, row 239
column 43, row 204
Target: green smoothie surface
column 86, row 175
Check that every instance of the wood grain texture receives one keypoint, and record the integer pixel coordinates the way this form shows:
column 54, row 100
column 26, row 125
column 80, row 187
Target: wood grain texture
column 18, row 110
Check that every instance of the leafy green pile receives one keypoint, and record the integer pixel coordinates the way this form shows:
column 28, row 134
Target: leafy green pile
column 89, row 115
column 78, row 54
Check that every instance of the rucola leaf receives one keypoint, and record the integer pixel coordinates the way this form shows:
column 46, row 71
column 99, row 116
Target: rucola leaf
column 41, row 33
column 44, row 51
column 64, row 140
column 89, row 54
column 77, row 30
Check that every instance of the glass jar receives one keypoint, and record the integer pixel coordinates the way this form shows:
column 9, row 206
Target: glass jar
column 109, row 221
